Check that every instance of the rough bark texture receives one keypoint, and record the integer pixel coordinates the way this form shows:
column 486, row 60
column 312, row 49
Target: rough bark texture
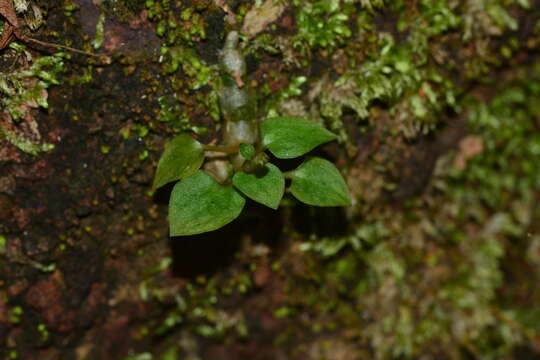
column 436, row 107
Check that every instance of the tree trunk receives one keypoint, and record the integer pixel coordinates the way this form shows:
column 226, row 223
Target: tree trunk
column 435, row 104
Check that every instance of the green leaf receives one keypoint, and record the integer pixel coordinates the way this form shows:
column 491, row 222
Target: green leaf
column 266, row 185
column 247, row 151
column 183, row 156
column 199, row 204
column 318, row 182
column 288, row 137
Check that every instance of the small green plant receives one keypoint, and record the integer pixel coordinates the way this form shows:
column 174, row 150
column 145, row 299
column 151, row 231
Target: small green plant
column 202, row 202
column 199, row 203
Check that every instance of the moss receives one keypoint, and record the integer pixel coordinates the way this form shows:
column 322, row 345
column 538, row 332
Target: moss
column 100, row 32
column 432, row 275
column 404, row 280
column 3, row 243
column 188, row 76
column 123, row 10
column 198, row 308
column 24, row 88
column 24, row 144
column 321, row 24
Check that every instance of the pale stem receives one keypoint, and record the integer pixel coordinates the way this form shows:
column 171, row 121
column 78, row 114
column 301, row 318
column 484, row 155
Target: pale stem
column 233, row 149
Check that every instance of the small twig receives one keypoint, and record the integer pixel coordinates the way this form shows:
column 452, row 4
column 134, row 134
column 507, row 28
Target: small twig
column 12, row 30
column 105, row 59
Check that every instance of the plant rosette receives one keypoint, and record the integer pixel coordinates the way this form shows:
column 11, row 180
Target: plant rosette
column 199, row 203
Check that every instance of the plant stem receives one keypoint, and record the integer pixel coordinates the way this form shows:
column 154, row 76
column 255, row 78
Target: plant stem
column 288, row 175
column 224, row 149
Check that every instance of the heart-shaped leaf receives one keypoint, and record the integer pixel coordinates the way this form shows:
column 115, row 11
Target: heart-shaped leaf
column 266, row 185
column 183, row 156
column 288, row 137
column 199, row 204
column 317, row 182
